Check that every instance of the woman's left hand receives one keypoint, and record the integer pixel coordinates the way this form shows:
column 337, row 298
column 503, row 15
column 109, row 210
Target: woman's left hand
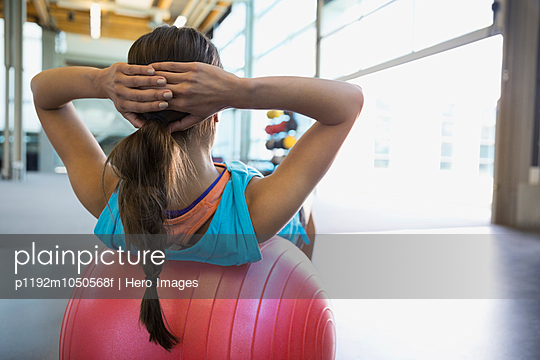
column 199, row 89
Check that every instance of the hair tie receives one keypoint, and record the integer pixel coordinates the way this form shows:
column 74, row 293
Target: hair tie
column 158, row 117
column 153, row 280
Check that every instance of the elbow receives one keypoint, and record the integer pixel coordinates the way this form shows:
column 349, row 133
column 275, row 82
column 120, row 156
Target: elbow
column 356, row 102
column 359, row 100
column 34, row 83
column 41, row 91
column 35, row 87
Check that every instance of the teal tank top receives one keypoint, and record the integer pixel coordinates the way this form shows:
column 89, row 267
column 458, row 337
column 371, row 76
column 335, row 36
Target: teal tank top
column 230, row 238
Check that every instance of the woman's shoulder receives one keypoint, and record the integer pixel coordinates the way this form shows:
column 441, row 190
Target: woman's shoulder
column 241, row 171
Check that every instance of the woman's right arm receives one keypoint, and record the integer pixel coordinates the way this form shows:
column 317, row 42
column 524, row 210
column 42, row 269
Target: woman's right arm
column 202, row 90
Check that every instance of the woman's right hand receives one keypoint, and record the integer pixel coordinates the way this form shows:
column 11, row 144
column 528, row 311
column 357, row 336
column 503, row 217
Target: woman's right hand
column 135, row 89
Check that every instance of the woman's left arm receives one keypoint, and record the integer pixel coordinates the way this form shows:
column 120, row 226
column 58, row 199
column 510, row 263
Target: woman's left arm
column 81, row 154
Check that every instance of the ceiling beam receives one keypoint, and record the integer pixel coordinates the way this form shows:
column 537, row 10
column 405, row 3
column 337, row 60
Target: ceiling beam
column 196, row 11
column 204, row 13
column 219, row 10
column 112, row 25
column 114, row 7
column 190, row 6
column 165, row 4
column 43, row 14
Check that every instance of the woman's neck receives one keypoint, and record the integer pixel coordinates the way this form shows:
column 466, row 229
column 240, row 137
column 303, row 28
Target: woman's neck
column 205, row 174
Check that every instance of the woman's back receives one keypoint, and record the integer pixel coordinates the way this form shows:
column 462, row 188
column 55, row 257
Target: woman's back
column 229, row 238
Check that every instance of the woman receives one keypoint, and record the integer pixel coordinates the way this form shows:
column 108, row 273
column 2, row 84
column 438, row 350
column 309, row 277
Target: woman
column 161, row 179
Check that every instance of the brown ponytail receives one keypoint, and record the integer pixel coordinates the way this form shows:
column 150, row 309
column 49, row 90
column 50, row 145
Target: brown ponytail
column 153, row 165
column 150, row 164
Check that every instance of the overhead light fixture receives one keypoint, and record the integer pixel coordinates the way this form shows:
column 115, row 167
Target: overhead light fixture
column 95, row 21
column 180, row 21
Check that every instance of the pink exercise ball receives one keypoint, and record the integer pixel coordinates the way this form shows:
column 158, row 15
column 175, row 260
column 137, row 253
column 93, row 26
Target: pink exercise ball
column 276, row 308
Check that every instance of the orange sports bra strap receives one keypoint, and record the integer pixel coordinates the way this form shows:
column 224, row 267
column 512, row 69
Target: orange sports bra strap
column 183, row 227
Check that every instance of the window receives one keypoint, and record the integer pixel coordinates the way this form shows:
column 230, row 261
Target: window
column 379, row 164
column 382, row 146
column 446, row 165
column 447, row 149
column 447, row 129
column 358, row 34
column 32, row 34
column 425, row 130
column 487, row 152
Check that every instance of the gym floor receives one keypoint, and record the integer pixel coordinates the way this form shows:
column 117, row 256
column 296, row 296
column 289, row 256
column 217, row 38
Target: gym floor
column 367, row 328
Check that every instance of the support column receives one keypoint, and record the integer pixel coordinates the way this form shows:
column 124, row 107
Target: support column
column 46, row 151
column 535, row 162
column 516, row 108
column 14, row 160
column 19, row 145
column 6, row 158
column 318, row 24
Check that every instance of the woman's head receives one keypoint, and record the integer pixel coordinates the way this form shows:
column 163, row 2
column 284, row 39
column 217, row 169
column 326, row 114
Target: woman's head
column 169, row 44
column 154, row 165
